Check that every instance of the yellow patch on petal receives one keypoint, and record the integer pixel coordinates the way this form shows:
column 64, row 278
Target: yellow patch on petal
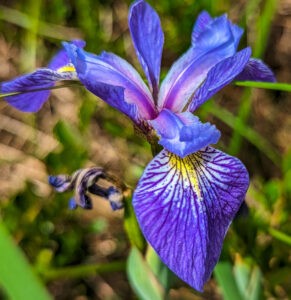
column 187, row 168
column 67, row 68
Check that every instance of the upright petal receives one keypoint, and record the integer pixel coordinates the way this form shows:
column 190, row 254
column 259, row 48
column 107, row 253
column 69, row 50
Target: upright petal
column 185, row 206
column 31, row 97
column 219, row 76
column 183, row 133
column 202, row 23
column 217, row 42
column 256, row 70
column 148, row 40
column 113, row 80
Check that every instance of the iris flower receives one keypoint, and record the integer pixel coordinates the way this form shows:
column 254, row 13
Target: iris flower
column 190, row 192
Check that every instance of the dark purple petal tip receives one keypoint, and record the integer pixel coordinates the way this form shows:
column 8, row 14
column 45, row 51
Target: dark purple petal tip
column 115, row 198
column 256, row 70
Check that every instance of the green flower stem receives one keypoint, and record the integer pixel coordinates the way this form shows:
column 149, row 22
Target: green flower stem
column 131, row 225
column 83, row 270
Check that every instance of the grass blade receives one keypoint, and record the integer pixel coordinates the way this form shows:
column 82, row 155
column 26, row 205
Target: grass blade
column 142, row 278
column 248, row 133
column 284, row 87
column 225, row 278
column 16, row 276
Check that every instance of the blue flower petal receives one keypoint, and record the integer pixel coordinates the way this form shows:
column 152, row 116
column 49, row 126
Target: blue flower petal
column 40, row 79
column 61, row 183
column 61, row 59
column 185, row 206
column 148, row 40
column 256, row 70
column 217, row 41
column 203, row 22
column 219, row 76
column 58, row 69
column 209, row 32
column 113, row 80
column 183, row 133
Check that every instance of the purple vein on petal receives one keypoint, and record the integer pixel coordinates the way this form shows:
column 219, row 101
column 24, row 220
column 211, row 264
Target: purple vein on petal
column 218, row 41
column 185, row 206
column 117, row 76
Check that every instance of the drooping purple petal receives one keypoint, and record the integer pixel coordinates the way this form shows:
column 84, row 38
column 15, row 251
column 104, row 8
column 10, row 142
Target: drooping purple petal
column 40, row 79
column 218, row 41
column 185, row 206
column 148, row 40
column 183, row 133
column 61, row 59
column 61, row 183
column 58, row 69
column 219, row 76
column 113, row 80
column 256, row 70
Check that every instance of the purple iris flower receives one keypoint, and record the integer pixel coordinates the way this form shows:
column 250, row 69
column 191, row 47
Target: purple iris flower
column 190, row 192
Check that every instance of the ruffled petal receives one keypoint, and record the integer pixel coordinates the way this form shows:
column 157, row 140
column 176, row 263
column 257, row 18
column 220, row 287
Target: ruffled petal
column 219, row 76
column 148, row 39
column 183, row 133
column 201, row 34
column 32, row 101
column 202, row 23
column 256, row 70
column 113, row 80
column 215, row 41
column 185, row 206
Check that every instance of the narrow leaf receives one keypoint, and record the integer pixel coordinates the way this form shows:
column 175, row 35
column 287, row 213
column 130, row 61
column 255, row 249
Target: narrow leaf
column 284, row 87
column 142, row 279
column 131, row 226
column 16, row 276
column 225, row 278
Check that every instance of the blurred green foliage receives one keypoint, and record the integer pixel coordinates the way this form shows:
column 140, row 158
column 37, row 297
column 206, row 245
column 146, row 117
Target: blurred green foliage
column 58, row 243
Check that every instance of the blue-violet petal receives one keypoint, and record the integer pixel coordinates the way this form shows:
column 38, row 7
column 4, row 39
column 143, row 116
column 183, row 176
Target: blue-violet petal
column 185, row 206
column 32, row 101
column 219, row 76
column 148, row 40
column 214, row 44
column 183, row 133
column 256, row 70
column 113, row 80
column 61, row 58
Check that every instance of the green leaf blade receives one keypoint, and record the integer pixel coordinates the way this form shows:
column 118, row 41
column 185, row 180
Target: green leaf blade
column 16, row 276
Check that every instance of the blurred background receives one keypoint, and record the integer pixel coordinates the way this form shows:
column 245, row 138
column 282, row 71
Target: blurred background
column 74, row 129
